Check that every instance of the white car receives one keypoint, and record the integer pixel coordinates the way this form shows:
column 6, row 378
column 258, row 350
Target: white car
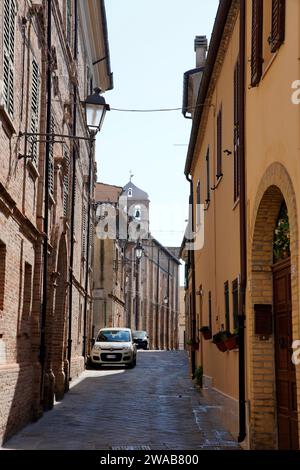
column 114, row 346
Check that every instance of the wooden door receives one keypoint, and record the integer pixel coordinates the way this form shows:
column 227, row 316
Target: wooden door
column 285, row 370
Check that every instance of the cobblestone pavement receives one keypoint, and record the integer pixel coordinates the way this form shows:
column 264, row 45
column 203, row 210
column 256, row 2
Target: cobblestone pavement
column 154, row 406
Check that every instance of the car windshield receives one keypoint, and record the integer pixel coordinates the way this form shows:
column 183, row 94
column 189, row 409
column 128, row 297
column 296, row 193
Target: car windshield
column 139, row 334
column 114, row 336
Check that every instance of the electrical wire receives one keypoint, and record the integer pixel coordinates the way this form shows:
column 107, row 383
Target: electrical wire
column 157, row 110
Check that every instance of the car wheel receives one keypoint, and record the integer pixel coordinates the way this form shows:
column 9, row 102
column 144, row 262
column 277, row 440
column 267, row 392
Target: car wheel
column 132, row 364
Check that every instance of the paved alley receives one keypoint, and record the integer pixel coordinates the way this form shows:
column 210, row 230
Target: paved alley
column 153, row 406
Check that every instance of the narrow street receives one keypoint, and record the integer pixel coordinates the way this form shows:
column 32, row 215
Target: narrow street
column 153, row 406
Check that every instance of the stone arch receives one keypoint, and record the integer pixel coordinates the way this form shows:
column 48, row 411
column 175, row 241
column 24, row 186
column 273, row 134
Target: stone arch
column 59, row 326
column 275, row 187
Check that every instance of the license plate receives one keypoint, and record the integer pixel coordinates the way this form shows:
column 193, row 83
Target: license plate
column 111, row 356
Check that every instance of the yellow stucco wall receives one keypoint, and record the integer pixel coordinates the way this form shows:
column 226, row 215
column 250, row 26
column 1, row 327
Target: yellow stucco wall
column 219, row 260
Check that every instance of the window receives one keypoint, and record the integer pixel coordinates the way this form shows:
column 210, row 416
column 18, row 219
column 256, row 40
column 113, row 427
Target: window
column 51, row 158
column 198, row 211
column 66, row 183
column 69, row 22
column 207, row 177
column 219, row 145
column 257, row 42
column 278, row 24
column 209, row 311
column 137, row 212
column 129, row 192
column 2, row 273
column 227, row 313
column 34, row 119
column 235, row 302
column 9, row 10
column 27, row 291
column 236, row 160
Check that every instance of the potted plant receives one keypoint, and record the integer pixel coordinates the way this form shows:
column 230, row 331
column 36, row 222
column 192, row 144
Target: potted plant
column 198, row 376
column 206, row 332
column 219, row 340
column 194, row 344
column 232, row 341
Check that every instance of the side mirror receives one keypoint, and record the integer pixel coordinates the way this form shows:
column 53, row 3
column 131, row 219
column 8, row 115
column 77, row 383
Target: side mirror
column 93, row 341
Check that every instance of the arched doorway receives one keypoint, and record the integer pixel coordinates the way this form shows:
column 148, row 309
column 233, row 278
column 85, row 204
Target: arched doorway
column 59, row 322
column 273, row 282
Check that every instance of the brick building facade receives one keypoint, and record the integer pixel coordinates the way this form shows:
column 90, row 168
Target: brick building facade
column 141, row 294
column 46, row 71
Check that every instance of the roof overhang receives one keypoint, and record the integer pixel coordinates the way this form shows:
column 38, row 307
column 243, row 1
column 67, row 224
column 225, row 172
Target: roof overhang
column 94, row 28
column 216, row 38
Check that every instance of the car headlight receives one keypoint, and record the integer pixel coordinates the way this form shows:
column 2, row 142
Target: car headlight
column 97, row 348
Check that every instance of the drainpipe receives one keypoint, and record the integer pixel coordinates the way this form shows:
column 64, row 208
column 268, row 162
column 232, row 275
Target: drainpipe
column 157, row 301
column 90, row 178
column 243, row 239
column 192, row 253
column 46, row 202
column 74, row 152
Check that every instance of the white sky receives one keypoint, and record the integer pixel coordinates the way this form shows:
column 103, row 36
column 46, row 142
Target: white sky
column 151, row 46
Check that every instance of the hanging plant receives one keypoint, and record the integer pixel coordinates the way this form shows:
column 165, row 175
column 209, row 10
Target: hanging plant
column 281, row 246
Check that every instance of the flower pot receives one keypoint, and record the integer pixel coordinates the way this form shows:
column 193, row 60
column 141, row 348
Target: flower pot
column 207, row 334
column 231, row 343
column 221, row 346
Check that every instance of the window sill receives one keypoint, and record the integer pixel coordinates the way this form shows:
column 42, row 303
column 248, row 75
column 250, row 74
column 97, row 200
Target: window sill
column 32, row 169
column 236, row 204
column 269, row 65
column 219, row 179
column 7, row 122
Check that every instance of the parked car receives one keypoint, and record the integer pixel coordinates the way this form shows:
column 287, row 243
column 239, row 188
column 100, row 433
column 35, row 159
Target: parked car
column 114, row 346
column 141, row 339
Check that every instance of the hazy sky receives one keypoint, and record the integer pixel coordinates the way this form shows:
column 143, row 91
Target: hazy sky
column 151, row 46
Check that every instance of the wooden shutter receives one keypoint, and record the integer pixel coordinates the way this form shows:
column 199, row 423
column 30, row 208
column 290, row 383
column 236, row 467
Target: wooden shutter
column 257, row 33
column 68, row 21
column 66, row 183
column 227, row 313
column 34, row 118
column 235, row 302
column 198, row 205
column 236, row 107
column 207, row 177
column 51, row 158
column 278, row 24
column 84, row 234
column 219, row 145
column 9, row 10
column 209, row 311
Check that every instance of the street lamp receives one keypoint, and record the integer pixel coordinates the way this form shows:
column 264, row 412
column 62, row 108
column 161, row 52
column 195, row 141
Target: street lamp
column 138, row 254
column 95, row 110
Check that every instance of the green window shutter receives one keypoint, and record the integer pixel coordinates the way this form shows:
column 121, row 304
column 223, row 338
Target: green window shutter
column 219, row 145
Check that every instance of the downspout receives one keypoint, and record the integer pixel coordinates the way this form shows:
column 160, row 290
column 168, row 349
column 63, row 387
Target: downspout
column 72, row 234
column 192, row 253
column 90, row 177
column 243, row 239
column 157, row 300
column 46, row 202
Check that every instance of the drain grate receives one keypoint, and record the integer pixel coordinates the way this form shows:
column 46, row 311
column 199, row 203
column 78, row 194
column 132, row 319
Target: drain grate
column 131, row 447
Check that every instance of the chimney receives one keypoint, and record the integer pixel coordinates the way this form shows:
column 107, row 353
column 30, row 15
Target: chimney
column 200, row 49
